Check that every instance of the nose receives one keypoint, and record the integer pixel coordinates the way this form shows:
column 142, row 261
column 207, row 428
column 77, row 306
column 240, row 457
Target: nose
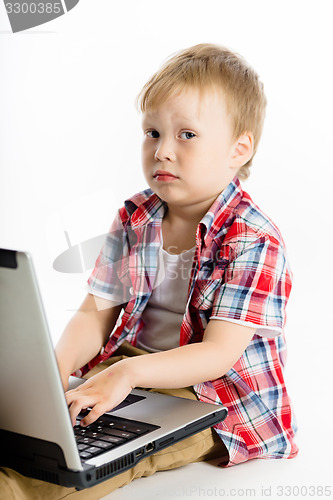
column 164, row 151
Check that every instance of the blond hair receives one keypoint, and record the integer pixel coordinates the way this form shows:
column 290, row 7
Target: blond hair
column 207, row 66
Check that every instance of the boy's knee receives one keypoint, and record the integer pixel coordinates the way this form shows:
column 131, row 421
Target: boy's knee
column 13, row 486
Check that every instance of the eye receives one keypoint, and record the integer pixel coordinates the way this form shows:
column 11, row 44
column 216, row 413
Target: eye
column 153, row 134
column 187, row 135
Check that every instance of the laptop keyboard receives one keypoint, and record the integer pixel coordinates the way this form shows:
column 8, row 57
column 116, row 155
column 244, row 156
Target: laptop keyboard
column 107, row 433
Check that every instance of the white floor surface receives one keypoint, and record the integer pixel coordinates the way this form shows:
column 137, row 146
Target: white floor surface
column 302, row 477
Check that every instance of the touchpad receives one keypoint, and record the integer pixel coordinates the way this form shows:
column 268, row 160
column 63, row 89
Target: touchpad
column 129, row 400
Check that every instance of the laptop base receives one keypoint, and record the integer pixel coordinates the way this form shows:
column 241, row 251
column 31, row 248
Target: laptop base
column 45, row 461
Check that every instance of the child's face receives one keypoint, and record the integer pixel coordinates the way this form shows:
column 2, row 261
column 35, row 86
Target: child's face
column 188, row 148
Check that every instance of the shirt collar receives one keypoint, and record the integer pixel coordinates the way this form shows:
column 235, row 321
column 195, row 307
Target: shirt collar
column 220, row 210
column 147, row 207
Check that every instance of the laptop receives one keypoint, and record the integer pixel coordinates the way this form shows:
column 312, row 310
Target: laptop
column 36, row 435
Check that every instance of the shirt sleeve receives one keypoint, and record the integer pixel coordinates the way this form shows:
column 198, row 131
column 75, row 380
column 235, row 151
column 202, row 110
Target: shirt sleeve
column 105, row 280
column 255, row 288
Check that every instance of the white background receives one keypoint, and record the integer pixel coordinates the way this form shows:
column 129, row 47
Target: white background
column 70, row 151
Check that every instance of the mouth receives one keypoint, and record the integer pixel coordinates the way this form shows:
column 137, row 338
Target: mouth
column 164, row 176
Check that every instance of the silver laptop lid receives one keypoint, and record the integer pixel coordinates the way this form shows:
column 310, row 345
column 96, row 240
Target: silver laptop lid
column 29, row 372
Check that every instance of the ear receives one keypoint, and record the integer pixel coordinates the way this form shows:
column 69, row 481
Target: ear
column 242, row 150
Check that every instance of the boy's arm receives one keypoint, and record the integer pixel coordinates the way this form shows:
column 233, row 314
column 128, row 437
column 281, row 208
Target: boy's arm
column 222, row 345
column 85, row 335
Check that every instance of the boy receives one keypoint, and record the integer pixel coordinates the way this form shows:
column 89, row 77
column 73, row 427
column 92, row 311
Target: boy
column 197, row 271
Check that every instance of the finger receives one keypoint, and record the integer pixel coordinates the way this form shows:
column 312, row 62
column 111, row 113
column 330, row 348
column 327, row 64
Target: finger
column 78, row 405
column 70, row 397
column 93, row 415
column 74, row 395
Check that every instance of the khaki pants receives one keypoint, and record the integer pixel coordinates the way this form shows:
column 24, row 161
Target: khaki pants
column 205, row 445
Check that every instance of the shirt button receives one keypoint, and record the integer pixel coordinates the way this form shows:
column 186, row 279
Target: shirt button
column 131, row 290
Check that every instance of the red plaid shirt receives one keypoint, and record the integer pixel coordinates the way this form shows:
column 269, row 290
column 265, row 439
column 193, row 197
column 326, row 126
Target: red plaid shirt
column 239, row 274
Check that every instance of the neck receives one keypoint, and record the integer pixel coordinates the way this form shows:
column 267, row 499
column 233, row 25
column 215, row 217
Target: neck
column 189, row 214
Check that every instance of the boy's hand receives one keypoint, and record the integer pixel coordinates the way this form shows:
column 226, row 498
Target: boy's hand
column 101, row 393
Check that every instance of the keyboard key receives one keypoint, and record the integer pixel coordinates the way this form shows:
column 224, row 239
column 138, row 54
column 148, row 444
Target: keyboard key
column 111, row 439
column 118, row 433
column 95, row 428
column 79, row 431
column 104, row 422
column 82, row 447
column 103, row 444
column 86, row 440
column 91, row 434
column 131, row 428
column 92, row 450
